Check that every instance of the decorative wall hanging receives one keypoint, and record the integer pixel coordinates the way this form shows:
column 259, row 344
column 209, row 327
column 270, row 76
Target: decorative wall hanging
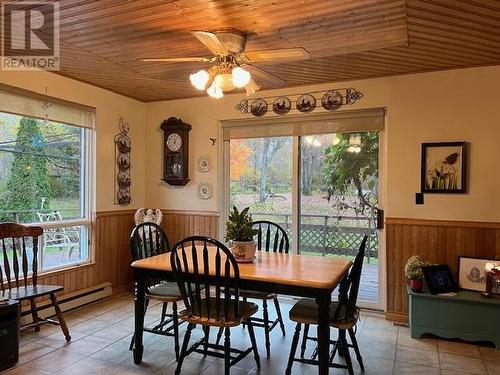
column 204, row 191
column 282, row 105
column 330, row 100
column 204, row 164
column 122, row 169
column 148, row 215
column 443, row 167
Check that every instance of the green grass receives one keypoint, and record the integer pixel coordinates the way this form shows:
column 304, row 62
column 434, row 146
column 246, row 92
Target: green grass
column 70, row 208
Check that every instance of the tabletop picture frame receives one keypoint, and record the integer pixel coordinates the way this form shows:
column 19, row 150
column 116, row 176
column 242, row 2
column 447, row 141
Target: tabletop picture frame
column 444, row 167
column 472, row 273
column 439, row 279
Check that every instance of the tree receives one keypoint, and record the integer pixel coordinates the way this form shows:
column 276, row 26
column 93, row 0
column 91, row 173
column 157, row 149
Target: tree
column 311, row 160
column 29, row 180
column 344, row 170
column 239, row 158
column 270, row 146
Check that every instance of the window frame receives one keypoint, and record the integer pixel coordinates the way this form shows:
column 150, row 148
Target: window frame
column 87, row 190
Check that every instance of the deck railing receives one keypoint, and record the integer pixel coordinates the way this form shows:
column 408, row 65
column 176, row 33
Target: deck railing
column 323, row 234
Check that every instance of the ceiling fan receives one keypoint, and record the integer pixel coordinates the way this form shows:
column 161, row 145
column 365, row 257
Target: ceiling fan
column 231, row 66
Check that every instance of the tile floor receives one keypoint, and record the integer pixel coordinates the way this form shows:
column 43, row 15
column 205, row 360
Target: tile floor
column 101, row 335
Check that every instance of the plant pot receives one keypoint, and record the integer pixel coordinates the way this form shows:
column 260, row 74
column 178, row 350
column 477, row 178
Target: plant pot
column 417, row 285
column 243, row 251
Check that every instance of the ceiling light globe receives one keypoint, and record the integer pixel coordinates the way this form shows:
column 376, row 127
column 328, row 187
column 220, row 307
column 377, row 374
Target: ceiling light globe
column 199, row 79
column 215, row 91
column 224, row 81
column 240, row 77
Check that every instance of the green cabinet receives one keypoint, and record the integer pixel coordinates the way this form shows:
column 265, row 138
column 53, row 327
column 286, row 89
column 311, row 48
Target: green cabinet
column 466, row 315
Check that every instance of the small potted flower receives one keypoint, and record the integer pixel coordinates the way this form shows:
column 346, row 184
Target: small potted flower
column 413, row 272
column 239, row 233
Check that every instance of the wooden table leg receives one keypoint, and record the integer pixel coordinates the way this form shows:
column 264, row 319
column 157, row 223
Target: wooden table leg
column 139, row 315
column 323, row 302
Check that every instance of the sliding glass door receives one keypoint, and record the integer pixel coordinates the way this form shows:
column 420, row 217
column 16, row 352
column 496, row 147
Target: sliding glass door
column 339, row 200
column 316, row 176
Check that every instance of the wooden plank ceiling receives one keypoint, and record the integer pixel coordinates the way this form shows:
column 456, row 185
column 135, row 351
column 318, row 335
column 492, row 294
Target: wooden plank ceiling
column 347, row 39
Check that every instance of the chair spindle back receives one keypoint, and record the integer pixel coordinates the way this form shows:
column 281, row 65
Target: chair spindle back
column 200, row 262
column 147, row 240
column 271, row 237
column 349, row 287
column 15, row 239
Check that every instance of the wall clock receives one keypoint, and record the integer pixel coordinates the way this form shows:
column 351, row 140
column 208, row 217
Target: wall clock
column 175, row 151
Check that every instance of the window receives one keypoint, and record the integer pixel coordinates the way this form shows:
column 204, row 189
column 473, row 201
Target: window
column 45, row 173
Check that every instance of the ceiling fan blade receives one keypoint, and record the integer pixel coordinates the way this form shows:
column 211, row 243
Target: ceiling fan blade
column 264, row 77
column 211, row 41
column 288, row 54
column 174, row 59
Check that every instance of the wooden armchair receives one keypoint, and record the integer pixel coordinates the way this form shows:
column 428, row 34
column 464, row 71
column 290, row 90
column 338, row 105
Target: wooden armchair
column 19, row 247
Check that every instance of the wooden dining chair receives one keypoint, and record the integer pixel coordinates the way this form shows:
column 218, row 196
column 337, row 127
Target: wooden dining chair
column 20, row 253
column 147, row 240
column 344, row 317
column 199, row 263
column 270, row 238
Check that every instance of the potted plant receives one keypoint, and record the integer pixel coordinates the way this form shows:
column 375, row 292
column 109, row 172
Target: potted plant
column 240, row 233
column 413, row 272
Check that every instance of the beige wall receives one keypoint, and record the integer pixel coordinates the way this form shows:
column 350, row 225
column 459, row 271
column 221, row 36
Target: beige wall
column 442, row 106
column 109, row 108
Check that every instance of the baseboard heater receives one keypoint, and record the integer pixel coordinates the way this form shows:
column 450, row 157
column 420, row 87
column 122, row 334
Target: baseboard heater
column 69, row 301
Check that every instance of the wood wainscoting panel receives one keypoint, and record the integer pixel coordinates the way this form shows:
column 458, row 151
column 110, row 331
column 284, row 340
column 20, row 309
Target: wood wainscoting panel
column 440, row 242
column 181, row 224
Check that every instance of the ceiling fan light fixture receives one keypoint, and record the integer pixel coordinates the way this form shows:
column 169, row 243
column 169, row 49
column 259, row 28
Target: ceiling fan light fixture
column 214, row 91
column 240, row 76
column 199, row 79
column 224, row 81
column 251, row 87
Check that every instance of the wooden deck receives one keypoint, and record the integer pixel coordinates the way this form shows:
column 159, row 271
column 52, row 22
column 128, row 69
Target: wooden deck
column 368, row 289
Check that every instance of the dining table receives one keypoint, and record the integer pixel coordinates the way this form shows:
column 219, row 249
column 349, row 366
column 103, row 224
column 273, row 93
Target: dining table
column 286, row 274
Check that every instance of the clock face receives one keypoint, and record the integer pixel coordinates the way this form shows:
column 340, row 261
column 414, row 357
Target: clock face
column 174, row 142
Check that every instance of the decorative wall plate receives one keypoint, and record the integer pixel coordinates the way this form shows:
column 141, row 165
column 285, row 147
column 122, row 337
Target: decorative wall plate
column 204, row 191
column 204, row 164
column 306, row 103
column 258, row 107
column 332, row 100
column 282, row 105
column 123, row 162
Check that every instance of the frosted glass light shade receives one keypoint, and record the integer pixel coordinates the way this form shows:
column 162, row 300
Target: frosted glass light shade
column 224, row 81
column 215, row 91
column 199, row 79
column 240, row 77
column 251, row 88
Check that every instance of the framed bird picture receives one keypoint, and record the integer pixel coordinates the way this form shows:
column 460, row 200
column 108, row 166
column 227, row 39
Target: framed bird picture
column 444, row 167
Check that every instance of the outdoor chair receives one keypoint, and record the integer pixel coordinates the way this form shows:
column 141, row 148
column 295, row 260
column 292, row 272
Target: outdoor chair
column 67, row 239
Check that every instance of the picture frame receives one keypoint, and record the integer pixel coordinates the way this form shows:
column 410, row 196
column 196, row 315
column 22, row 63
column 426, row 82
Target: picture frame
column 472, row 273
column 444, row 167
column 439, row 279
